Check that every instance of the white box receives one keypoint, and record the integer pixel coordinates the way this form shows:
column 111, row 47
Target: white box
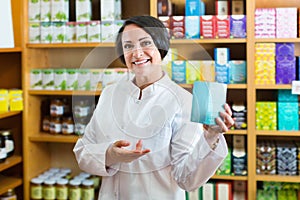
column 34, row 10
column 70, row 32
column 59, row 10
column 60, row 79
column 94, row 31
column 46, row 32
column 59, row 32
column 110, row 10
column 81, row 32
column 45, row 10
column 107, row 31
column 83, row 10
column 34, row 32
column 36, row 79
column 48, row 79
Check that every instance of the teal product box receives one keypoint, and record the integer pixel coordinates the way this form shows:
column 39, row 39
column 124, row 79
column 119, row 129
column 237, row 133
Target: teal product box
column 287, row 96
column 192, row 27
column 179, row 71
column 221, row 56
column 193, row 8
column 208, row 101
column 237, row 71
column 288, row 116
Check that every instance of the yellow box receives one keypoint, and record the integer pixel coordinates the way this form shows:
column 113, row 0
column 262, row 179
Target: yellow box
column 4, row 103
column 15, row 100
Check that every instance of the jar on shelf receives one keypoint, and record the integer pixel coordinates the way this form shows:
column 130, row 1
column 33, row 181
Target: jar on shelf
column 87, row 190
column 80, row 125
column 49, row 189
column 9, row 142
column 74, row 189
column 62, row 189
column 56, row 108
column 3, row 154
column 55, row 125
column 46, row 123
column 9, row 195
column 81, row 108
column 67, row 125
column 36, row 188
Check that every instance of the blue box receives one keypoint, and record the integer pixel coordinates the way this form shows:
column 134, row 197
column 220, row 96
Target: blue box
column 222, row 56
column 287, row 96
column 192, row 27
column 208, row 101
column 288, row 116
column 237, row 71
column 194, row 8
column 179, row 71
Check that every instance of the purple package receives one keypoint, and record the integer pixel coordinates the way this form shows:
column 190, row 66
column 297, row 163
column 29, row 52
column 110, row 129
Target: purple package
column 285, row 71
column 285, row 51
column 238, row 26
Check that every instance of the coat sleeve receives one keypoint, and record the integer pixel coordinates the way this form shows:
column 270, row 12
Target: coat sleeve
column 90, row 149
column 193, row 161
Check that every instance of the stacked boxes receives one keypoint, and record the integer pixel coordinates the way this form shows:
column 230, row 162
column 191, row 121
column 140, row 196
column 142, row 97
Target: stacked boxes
column 222, row 56
column 266, row 115
column 286, row 158
column 265, row 23
column 286, row 22
column 285, row 63
column 265, row 63
column 265, row 157
column 239, row 156
column 287, row 111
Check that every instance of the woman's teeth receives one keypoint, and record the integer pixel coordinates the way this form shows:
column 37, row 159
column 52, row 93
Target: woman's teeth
column 140, row 62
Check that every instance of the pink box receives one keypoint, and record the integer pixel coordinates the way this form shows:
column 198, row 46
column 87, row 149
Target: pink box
column 222, row 26
column 265, row 23
column 207, row 26
column 178, row 27
column 286, row 22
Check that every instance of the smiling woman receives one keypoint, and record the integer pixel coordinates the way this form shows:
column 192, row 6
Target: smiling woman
column 140, row 138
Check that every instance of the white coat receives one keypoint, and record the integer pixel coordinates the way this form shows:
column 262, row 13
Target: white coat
column 180, row 158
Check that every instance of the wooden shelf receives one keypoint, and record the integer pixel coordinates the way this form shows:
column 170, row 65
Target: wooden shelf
column 274, row 87
column 229, row 86
column 10, row 162
column 10, row 50
column 9, row 114
column 237, row 132
column 71, row 45
column 291, row 40
column 47, row 137
column 277, row 133
column 278, row 178
column 208, row 41
column 65, row 92
column 228, row 177
column 8, row 183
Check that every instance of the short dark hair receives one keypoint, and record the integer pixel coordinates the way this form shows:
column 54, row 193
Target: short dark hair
column 154, row 27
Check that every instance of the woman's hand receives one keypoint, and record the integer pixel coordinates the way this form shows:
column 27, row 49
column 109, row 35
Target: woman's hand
column 115, row 153
column 224, row 122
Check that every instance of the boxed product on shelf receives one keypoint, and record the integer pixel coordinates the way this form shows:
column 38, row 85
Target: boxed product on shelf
column 81, row 32
column 83, row 77
column 225, row 167
column 107, row 31
column 237, row 71
column 15, row 100
column 94, row 31
column 285, row 63
column 194, row 8
column 207, row 26
column 207, row 70
column 286, row 156
column 166, row 20
column 45, row 11
column 237, row 7
column 286, row 22
column 208, row 101
column 83, row 10
column 71, row 77
column 110, row 10
column 59, row 10
column 239, row 113
column 222, row 7
column 222, row 56
column 265, row 23
column 222, row 26
column 266, row 115
column 179, row 71
column 34, row 32
column 192, row 27
column 265, row 157
column 34, row 10
column 46, row 32
column 239, row 190
column 70, row 36
column 4, row 100
column 192, row 71
column 59, row 32
column 178, row 27
column 288, row 116
column 60, row 79
column 96, row 79
column 48, row 79
column 238, row 26
column 239, row 155
column 36, row 79
column 286, row 96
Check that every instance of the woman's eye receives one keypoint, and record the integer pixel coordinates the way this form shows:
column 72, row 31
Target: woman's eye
column 146, row 43
column 128, row 46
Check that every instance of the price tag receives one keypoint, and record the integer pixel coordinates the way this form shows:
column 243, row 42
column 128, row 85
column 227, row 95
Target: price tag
column 296, row 87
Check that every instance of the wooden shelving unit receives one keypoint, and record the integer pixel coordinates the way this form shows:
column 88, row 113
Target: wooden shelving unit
column 46, row 147
column 11, row 77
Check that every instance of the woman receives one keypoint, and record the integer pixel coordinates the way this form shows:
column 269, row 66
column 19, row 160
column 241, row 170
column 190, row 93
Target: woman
column 140, row 138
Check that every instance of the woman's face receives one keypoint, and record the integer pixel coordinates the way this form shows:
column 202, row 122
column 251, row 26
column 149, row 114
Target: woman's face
column 140, row 53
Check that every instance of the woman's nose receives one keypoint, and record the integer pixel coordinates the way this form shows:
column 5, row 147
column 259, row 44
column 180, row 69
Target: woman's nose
column 138, row 52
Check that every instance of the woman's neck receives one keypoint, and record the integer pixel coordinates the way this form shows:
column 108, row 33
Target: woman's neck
column 143, row 82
